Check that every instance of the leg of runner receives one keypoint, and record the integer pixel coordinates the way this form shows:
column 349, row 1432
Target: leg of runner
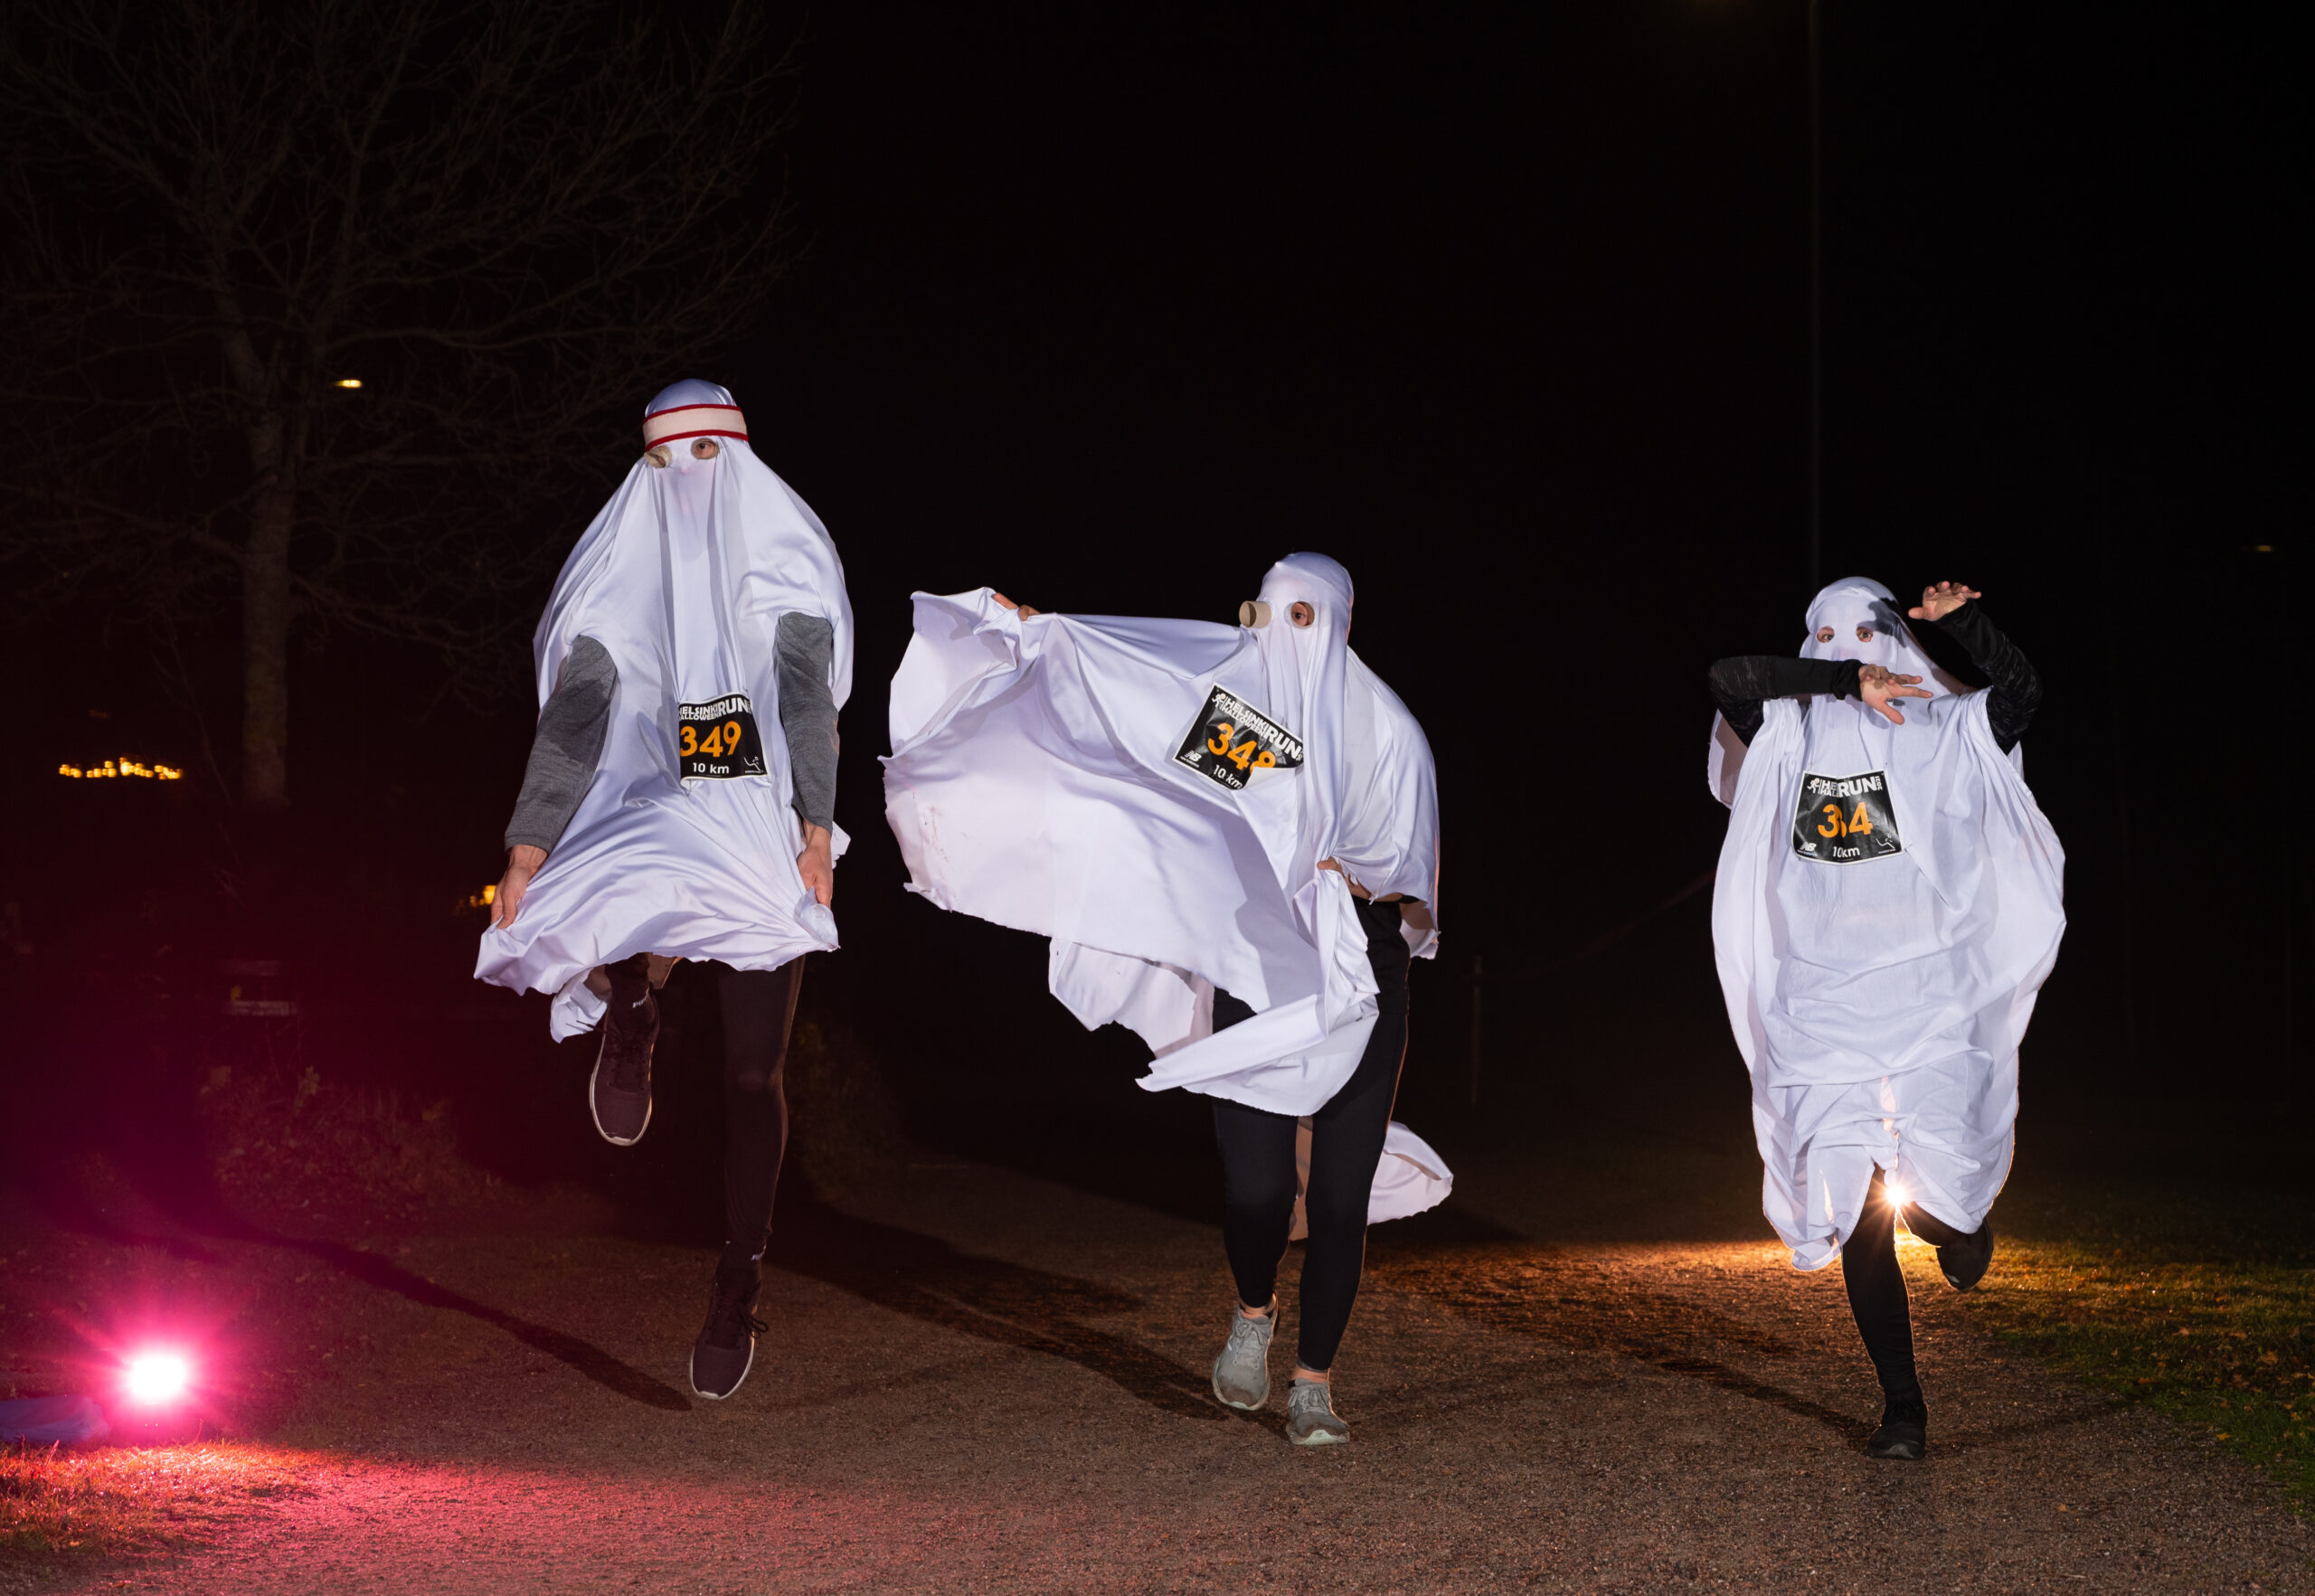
column 1877, row 1297
column 758, row 1012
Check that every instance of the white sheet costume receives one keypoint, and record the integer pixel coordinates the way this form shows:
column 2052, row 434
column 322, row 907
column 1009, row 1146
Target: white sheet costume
column 1156, row 796
column 1888, row 903
column 683, row 577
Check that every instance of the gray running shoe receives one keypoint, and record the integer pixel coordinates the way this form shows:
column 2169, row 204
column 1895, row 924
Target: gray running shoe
column 1310, row 1417
column 619, row 1091
column 726, row 1348
column 1241, row 1374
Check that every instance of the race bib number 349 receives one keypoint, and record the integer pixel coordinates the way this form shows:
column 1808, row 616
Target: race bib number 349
column 1844, row 819
column 718, row 739
column 1233, row 742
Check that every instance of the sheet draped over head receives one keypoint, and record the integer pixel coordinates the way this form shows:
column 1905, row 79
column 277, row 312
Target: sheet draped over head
column 1888, row 903
column 1157, row 796
column 682, row 578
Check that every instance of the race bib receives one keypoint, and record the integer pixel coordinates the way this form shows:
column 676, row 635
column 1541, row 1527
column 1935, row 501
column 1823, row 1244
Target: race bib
column 1233, row 742
column 718, row 739
column 1843, row 819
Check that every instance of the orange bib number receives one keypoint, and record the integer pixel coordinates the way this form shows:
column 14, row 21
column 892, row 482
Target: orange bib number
column 717, row 741
column 1844, row 819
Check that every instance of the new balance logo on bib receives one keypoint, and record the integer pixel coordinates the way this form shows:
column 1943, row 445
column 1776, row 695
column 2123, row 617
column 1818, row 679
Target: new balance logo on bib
column 1844, row 819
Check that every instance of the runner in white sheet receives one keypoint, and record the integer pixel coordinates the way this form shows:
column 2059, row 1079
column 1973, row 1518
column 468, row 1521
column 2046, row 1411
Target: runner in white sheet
column 1231, row 835
column 1889, row 902
column 658, row 822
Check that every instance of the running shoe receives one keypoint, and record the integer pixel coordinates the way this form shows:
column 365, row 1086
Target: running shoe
column 1903, row 1435
column 1241, row 1374
column 726, row 1348
column 1310, row 1417
column 619, row 1091
column 1964, row 1263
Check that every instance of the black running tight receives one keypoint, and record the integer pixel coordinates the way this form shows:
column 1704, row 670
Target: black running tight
column 1877, row 1290
column 1257, row 1172
column 759, row 1012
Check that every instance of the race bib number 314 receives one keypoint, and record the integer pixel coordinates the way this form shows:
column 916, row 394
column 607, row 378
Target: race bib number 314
column 1846, row 819
column 1233, row 742
column 718, row 739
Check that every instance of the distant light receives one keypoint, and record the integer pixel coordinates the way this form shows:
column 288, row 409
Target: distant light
column 1896, row 1190
column 2262, row 548
column 349, row 382
column 124, row 766
column 484, row 897
column 156, row 1378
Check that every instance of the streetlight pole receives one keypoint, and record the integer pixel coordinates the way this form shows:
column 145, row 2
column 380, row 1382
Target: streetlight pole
column 1816, row 306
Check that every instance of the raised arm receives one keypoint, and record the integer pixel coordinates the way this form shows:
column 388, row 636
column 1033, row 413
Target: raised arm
column 2016, row 690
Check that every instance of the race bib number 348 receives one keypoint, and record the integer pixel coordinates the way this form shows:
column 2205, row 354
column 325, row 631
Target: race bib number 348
column 718, row 739
column 1233, row 742
column 1844, row 819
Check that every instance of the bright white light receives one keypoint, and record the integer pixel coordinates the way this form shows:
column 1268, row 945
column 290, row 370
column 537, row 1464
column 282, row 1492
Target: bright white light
column 1896, row 1190
column 157, row 1377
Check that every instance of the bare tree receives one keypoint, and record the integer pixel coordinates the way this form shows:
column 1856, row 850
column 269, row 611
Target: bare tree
column 326, row 297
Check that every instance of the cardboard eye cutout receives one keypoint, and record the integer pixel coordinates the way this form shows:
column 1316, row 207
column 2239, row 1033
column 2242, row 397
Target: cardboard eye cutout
column 1301, row 614
column 705, row 448
column 1253, row 612
column 658, row 456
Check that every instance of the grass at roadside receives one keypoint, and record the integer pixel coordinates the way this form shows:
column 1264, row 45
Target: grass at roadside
column 2217, row 1333
column 64, row 1510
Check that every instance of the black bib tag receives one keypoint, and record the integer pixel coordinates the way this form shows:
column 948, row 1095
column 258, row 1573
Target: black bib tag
column 1233, row 739
column 718, row 739
column 1843, row 819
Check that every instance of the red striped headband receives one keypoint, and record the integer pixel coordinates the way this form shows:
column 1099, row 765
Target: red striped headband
column 694, row 421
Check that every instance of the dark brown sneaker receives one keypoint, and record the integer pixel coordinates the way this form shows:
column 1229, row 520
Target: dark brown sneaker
column 1903, row 1435
column 726, row 1348
column 1964, row 1263
column 619, row 1091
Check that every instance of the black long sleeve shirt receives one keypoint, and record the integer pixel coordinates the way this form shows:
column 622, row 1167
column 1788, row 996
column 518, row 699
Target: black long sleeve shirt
column 1742, row 683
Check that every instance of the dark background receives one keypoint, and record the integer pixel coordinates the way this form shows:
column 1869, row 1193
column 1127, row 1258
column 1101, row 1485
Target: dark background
column 1506, row 307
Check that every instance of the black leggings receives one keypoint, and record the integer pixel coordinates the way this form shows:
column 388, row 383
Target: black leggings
column 759, row 1011
column 1877, row 1288
column 1258, row 1174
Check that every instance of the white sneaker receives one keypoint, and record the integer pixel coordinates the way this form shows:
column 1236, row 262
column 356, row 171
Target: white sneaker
column 1241, row 1374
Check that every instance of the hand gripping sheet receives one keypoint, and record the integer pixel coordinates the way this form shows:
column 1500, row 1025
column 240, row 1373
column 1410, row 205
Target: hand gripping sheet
column 1154, row 797
column 1888, row 903
column 683, row 577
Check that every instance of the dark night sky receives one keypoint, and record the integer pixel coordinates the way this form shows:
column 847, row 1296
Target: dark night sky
column 1506, row 308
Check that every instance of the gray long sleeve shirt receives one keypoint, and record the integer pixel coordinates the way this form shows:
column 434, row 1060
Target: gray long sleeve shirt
column 569, row 743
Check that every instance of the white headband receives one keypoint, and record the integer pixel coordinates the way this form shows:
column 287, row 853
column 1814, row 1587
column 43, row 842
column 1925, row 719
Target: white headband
column 694, row 421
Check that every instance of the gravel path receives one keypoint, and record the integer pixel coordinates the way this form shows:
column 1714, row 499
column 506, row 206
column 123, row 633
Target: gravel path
column 985, row 1382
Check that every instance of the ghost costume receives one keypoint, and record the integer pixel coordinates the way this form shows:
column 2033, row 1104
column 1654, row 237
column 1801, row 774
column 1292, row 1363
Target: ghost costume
column 691, row 664
column 682, row 580
column 1156, row 797
column 1888, row 904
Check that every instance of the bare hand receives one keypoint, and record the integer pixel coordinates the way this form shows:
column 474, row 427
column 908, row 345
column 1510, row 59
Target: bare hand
column 1024, row 609
column 523, row 861
column 1878, row 684
column 1942, row 600
column 817, row 863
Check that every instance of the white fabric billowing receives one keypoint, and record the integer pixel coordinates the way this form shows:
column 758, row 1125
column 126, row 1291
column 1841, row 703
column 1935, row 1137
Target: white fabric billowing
column 1413, row 1178
column 1033, row 782
column 1879, row 1004
column 683, row 577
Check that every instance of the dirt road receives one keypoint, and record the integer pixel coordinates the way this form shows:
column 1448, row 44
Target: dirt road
column 982, row 1381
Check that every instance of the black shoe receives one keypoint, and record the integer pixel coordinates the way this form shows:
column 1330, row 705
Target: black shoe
column 620, row 1092
column 1964, row 1263
column 726, row 1348
column 1903, row 1434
